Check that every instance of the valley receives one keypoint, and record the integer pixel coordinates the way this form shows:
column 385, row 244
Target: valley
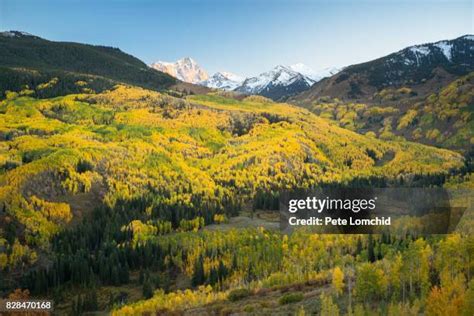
column 127, row 191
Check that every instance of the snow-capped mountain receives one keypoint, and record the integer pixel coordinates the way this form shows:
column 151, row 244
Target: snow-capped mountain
column 315, row 75
column 281, row 81
column 223, row 80
column 424, row 67
column 185, row 69
column 446, row 53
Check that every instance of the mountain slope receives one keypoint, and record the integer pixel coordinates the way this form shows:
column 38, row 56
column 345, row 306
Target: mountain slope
column 185, row 69
column 422, row 93
column 445, row 118
column 23, row 51
column 278, row 83
column 423, row 68
column 130, row 143
column 134, row 163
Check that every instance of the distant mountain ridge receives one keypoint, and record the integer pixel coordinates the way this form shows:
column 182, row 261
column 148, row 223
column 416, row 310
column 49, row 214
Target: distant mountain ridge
column 421, row 67
column 281, row 81
column 185, row 69
column 277, row 83
column 23, row 50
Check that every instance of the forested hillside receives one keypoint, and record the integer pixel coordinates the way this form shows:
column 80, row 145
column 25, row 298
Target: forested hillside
column 423, row 93
column 27, row 60
column 443, row 118
column 202, row 152
column 112, row 191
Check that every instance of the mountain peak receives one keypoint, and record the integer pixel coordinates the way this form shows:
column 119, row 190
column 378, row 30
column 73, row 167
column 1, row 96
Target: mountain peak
column 185, row 69
column 276, row 83
column 223, row 80
column 281, row 67
column 187, row 60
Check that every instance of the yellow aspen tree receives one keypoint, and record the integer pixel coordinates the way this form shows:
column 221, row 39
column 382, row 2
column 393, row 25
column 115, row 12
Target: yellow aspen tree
column 338, row 280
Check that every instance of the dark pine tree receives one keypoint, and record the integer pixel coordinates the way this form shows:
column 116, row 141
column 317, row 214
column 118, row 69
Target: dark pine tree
column 198, row 275
column 370, row 249
column 147, row 289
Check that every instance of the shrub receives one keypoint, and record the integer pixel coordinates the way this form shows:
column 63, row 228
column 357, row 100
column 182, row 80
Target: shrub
column 250, row 308
column 289, row 298
column 238, row 294
column 407, row 119
column 371, row 134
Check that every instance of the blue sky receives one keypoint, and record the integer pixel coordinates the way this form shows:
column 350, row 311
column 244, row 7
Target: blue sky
column 244, row 36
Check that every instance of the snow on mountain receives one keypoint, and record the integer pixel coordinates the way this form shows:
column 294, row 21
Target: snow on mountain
column 423, row 67
column 15, row 34
column 415, row 55
column 278, row 76
column 185, row 69
column 223, row 80
column 303, row 69
column 328, row 72
column 420, row 50
column 445, row 48
column 279, row 82
column 315, row 75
